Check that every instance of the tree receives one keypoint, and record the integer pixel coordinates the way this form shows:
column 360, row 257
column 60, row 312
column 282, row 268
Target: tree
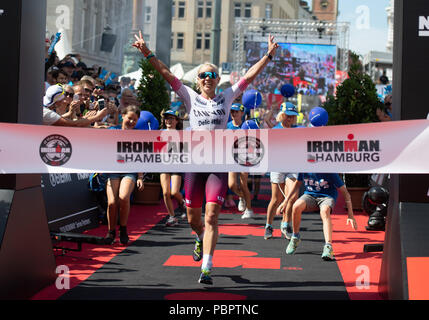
column 356, row 100
column 152, row 92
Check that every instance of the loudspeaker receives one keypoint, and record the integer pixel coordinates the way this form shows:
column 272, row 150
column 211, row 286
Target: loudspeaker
column 108, row 42
column 406, row 240
column 27, row 263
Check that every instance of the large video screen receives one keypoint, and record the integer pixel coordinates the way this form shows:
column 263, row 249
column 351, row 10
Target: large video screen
column 309, row 67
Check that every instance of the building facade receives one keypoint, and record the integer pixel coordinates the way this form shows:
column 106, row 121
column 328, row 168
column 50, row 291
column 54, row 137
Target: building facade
column 192, row 25
column 390, row 16
column 326, row 10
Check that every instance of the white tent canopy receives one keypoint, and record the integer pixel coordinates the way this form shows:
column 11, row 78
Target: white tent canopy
column 177, row 70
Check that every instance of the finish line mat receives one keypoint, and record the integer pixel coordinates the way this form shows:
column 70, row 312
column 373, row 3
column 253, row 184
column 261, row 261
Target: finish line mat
column 159, row 266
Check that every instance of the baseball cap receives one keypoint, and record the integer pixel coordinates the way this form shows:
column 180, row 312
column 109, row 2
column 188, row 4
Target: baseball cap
column 237, row 107
column 289, row 109
column 53, row 94
column 172, row 113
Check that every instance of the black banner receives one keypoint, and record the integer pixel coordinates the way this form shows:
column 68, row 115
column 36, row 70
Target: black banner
column 70, row 206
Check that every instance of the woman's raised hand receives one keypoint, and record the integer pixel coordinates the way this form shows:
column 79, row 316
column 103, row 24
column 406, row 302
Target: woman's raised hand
column 272, row 45
column 141, row 44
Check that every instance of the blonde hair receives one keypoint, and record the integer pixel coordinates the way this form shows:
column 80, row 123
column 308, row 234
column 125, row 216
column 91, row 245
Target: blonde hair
column 206, row 64
column 281, row 117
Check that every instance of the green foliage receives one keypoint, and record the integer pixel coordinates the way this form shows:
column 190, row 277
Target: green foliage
column 152, row 92
column 356, row 100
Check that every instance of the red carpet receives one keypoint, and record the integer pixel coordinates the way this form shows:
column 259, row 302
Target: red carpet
column 92, row 257
column 360, row 270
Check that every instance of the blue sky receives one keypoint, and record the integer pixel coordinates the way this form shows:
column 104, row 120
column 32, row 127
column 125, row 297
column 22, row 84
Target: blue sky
column 368, row 23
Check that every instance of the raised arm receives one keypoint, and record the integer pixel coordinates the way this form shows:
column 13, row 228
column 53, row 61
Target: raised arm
column 253, row 72
column 159, row 66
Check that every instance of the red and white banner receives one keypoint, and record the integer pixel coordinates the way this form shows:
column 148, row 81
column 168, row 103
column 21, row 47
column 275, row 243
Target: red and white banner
column 388, row 147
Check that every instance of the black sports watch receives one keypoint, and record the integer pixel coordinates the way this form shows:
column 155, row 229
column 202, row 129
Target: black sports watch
column 269, row 56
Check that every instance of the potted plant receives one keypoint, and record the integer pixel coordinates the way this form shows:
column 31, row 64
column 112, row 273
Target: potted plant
column 356, row 101
column 154, row 97
column 151, row 194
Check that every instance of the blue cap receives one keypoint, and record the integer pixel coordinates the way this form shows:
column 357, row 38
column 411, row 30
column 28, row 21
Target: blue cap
column 289, row 109
column 237, row 107
column 172, row 113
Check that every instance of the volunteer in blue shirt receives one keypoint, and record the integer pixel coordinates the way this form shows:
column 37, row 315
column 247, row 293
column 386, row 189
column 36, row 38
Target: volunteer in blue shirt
column 320, row 194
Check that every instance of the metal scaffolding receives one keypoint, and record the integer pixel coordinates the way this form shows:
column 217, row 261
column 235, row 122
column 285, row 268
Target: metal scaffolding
column 291, row 31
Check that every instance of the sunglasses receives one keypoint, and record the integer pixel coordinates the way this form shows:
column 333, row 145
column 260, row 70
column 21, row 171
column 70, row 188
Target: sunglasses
column 69, row 94
column 211, row 75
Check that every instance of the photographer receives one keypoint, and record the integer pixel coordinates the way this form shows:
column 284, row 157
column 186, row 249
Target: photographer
column 54, row 96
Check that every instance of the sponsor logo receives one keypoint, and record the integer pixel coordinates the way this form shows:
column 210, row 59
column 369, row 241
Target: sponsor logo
column 423, row 26
column 350, row 150
column 248, row 151
column 152, row 152
column 55, row 150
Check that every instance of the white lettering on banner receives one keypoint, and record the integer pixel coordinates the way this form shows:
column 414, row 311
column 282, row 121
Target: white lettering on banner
column 389, row 147
column 82, row 176
column 57, row 179
column 423, row 26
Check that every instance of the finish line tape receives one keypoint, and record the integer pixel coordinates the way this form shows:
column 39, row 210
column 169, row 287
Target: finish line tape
column 398, row 147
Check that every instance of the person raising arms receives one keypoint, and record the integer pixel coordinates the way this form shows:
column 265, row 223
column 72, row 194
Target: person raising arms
column 197, row 105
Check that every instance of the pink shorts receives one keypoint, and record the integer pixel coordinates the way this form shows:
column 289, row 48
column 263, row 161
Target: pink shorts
column 212, row 185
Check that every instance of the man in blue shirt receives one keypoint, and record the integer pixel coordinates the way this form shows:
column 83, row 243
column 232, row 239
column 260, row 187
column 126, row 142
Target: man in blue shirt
column 320, row 194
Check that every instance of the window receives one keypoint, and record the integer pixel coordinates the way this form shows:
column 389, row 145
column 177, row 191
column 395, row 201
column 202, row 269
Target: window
column 268, row 11
column 148, row 14
column 208, row 9
column 180, row 40
column 199, row 43
column 237, row 9
column 172, row 41
column 200, row 9
column 173, row 9
column 248, row 10
column 207, row 38
column 181, row 9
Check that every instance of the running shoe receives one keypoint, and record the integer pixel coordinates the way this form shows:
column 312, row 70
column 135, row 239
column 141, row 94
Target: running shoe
column 293, row 244
column 247, row 214
column 110, row 237
column 328, row 253
column 268, row 232
column 198, row 250
column 241, row 205
column 205, row 277
column 171, row 222
column 123, row 235
column 286, row 230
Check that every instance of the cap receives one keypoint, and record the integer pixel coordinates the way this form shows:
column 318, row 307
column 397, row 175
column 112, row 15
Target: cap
column 237, row 107
column 289, row 109
column 53, row 94
column 172, row 113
